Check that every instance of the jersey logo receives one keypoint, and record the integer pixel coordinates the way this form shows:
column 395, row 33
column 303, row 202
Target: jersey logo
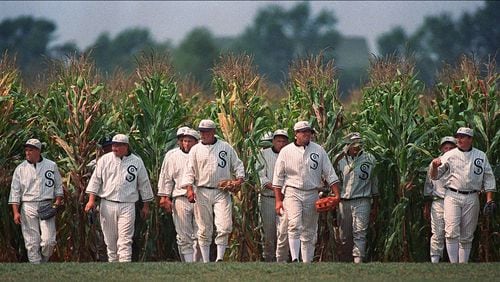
column 365, row 171
column 49, row 178
column 222, row 157
column 131, row 170
column 314, row 158
column 478, row 163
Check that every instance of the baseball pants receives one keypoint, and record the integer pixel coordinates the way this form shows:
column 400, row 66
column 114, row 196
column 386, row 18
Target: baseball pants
column 461, row 214
column 354, row 217
column 117, row 220
column 213, row 205
column 39, row 235
column 269, row 224
column 185, row 225
column 437, row 228
column 302, row 218
column 282, row 246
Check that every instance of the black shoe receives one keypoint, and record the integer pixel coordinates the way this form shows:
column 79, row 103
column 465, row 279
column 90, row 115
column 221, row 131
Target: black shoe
column 219, row 260
column 295, row 260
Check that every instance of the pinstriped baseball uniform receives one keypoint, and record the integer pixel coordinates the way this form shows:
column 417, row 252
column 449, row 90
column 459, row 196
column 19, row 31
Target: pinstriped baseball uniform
column 173, row 168
column 119, row 182
column 436, row 190
column 32, row 185
column 300, row 170
column 466, row 172
column 270, row 220
column 359, row 185
column 207, row 165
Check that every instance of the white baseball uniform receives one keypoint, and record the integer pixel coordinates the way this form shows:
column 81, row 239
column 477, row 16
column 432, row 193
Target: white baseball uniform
column 270, row 220
column 207, row 165
column 359, row 185
column 436, row 190
column 464, row 174
column 300, row 171
column 119, row 182
column 169, row 185
column 33, row 185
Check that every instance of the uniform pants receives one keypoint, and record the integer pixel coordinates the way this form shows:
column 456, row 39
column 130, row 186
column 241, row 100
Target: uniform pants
column 437, row 228
column 282, row 246
column 213, row 205
column 270, row 226
column 302, row 217
column 39, row 235
column 117, row 220
column 185, row 225
column 461, row 214
column 354, row 218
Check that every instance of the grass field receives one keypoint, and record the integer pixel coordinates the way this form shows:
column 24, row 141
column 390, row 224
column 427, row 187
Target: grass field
column 154, row 271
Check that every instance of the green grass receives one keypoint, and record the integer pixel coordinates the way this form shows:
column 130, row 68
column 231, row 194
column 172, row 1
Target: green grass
column 251, row 271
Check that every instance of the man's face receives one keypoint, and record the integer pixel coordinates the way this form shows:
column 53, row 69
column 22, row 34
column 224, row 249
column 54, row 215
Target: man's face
column 446, row 147
column 464, row 142
column 279, row 142
column 303, row 137
column 207, row 136
column 32, row 154
column 354, row 149
column 120, row 149
column 187, row 143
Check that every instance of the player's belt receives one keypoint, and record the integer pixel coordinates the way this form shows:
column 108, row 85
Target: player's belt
column 207, row 187
column 111, row 200
column 462, row 192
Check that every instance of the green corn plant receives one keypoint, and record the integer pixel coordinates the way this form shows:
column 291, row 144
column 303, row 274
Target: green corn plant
column 395, row 133
column 151, row 115
column 243, row 115
column 468, row 95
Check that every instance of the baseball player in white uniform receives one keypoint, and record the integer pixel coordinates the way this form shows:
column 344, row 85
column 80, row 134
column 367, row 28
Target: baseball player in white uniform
column 465, row 171
column 359, row 192
column 174, row 198
column 270, row 221
column 118, row 179
column 211, row 161
column 434, row 206
column 35, row 182
column 300, row 170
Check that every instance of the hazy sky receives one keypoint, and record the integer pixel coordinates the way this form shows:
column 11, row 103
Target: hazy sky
column 83, row 21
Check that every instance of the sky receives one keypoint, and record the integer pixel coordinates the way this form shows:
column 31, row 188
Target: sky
column 83, row 21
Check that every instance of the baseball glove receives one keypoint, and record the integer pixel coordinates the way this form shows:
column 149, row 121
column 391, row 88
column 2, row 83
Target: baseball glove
column 47, row 211
column 229, row 185
column 326, row 204
column 490, row 208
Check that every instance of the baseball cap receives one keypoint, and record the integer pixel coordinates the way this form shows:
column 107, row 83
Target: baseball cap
column 280, row 132
column 302, row 126
column 106, row 141
column 206, row 124
column 120, row 138
column 192, row 133
column 34, row 143
column 268, row 136
column 181, row 131
column 465, row 131
column 353, row 138
column 449, row 139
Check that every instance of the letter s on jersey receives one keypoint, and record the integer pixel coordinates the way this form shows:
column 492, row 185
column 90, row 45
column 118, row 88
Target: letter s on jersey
column 222, row 159
column 478, row 163
column 314, row 158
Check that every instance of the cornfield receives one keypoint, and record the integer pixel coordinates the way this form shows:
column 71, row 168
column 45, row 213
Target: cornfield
column 76, row 108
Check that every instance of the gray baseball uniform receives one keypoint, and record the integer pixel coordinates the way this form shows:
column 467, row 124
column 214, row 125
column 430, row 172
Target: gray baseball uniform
column 118, row 182
column 300, row 171
column 436, row 190
column 33, row 185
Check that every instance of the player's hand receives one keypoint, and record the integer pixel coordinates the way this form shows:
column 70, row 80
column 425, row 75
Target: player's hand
column 436, row 162
column 167, row 205
column 191, row 195
column 17, row 218
column 145, row 211
column 279, row 207
column 89, row 206
column 269, row 186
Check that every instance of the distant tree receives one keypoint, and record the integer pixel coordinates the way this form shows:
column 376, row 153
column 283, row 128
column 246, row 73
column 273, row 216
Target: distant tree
column 64, row 51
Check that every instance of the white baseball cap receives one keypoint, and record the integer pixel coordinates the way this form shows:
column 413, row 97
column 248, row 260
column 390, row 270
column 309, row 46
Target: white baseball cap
column 34, row 143
column 302, row 126
column 353, row 137
column 120, row 138
column 449, row 139
column 465, row 131
column 193, row 133
column 268, row 136
column 206, row 124
column 182, row 130
column 280, row 132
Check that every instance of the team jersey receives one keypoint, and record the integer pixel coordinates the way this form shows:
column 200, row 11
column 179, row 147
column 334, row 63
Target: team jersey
column 303, row 167
column 172, row 170
column 120, row 180
column 357, row 176
column 32, row 183
column 466, row 171
column 210, row 163
column 434, row 187
column 267, row 162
